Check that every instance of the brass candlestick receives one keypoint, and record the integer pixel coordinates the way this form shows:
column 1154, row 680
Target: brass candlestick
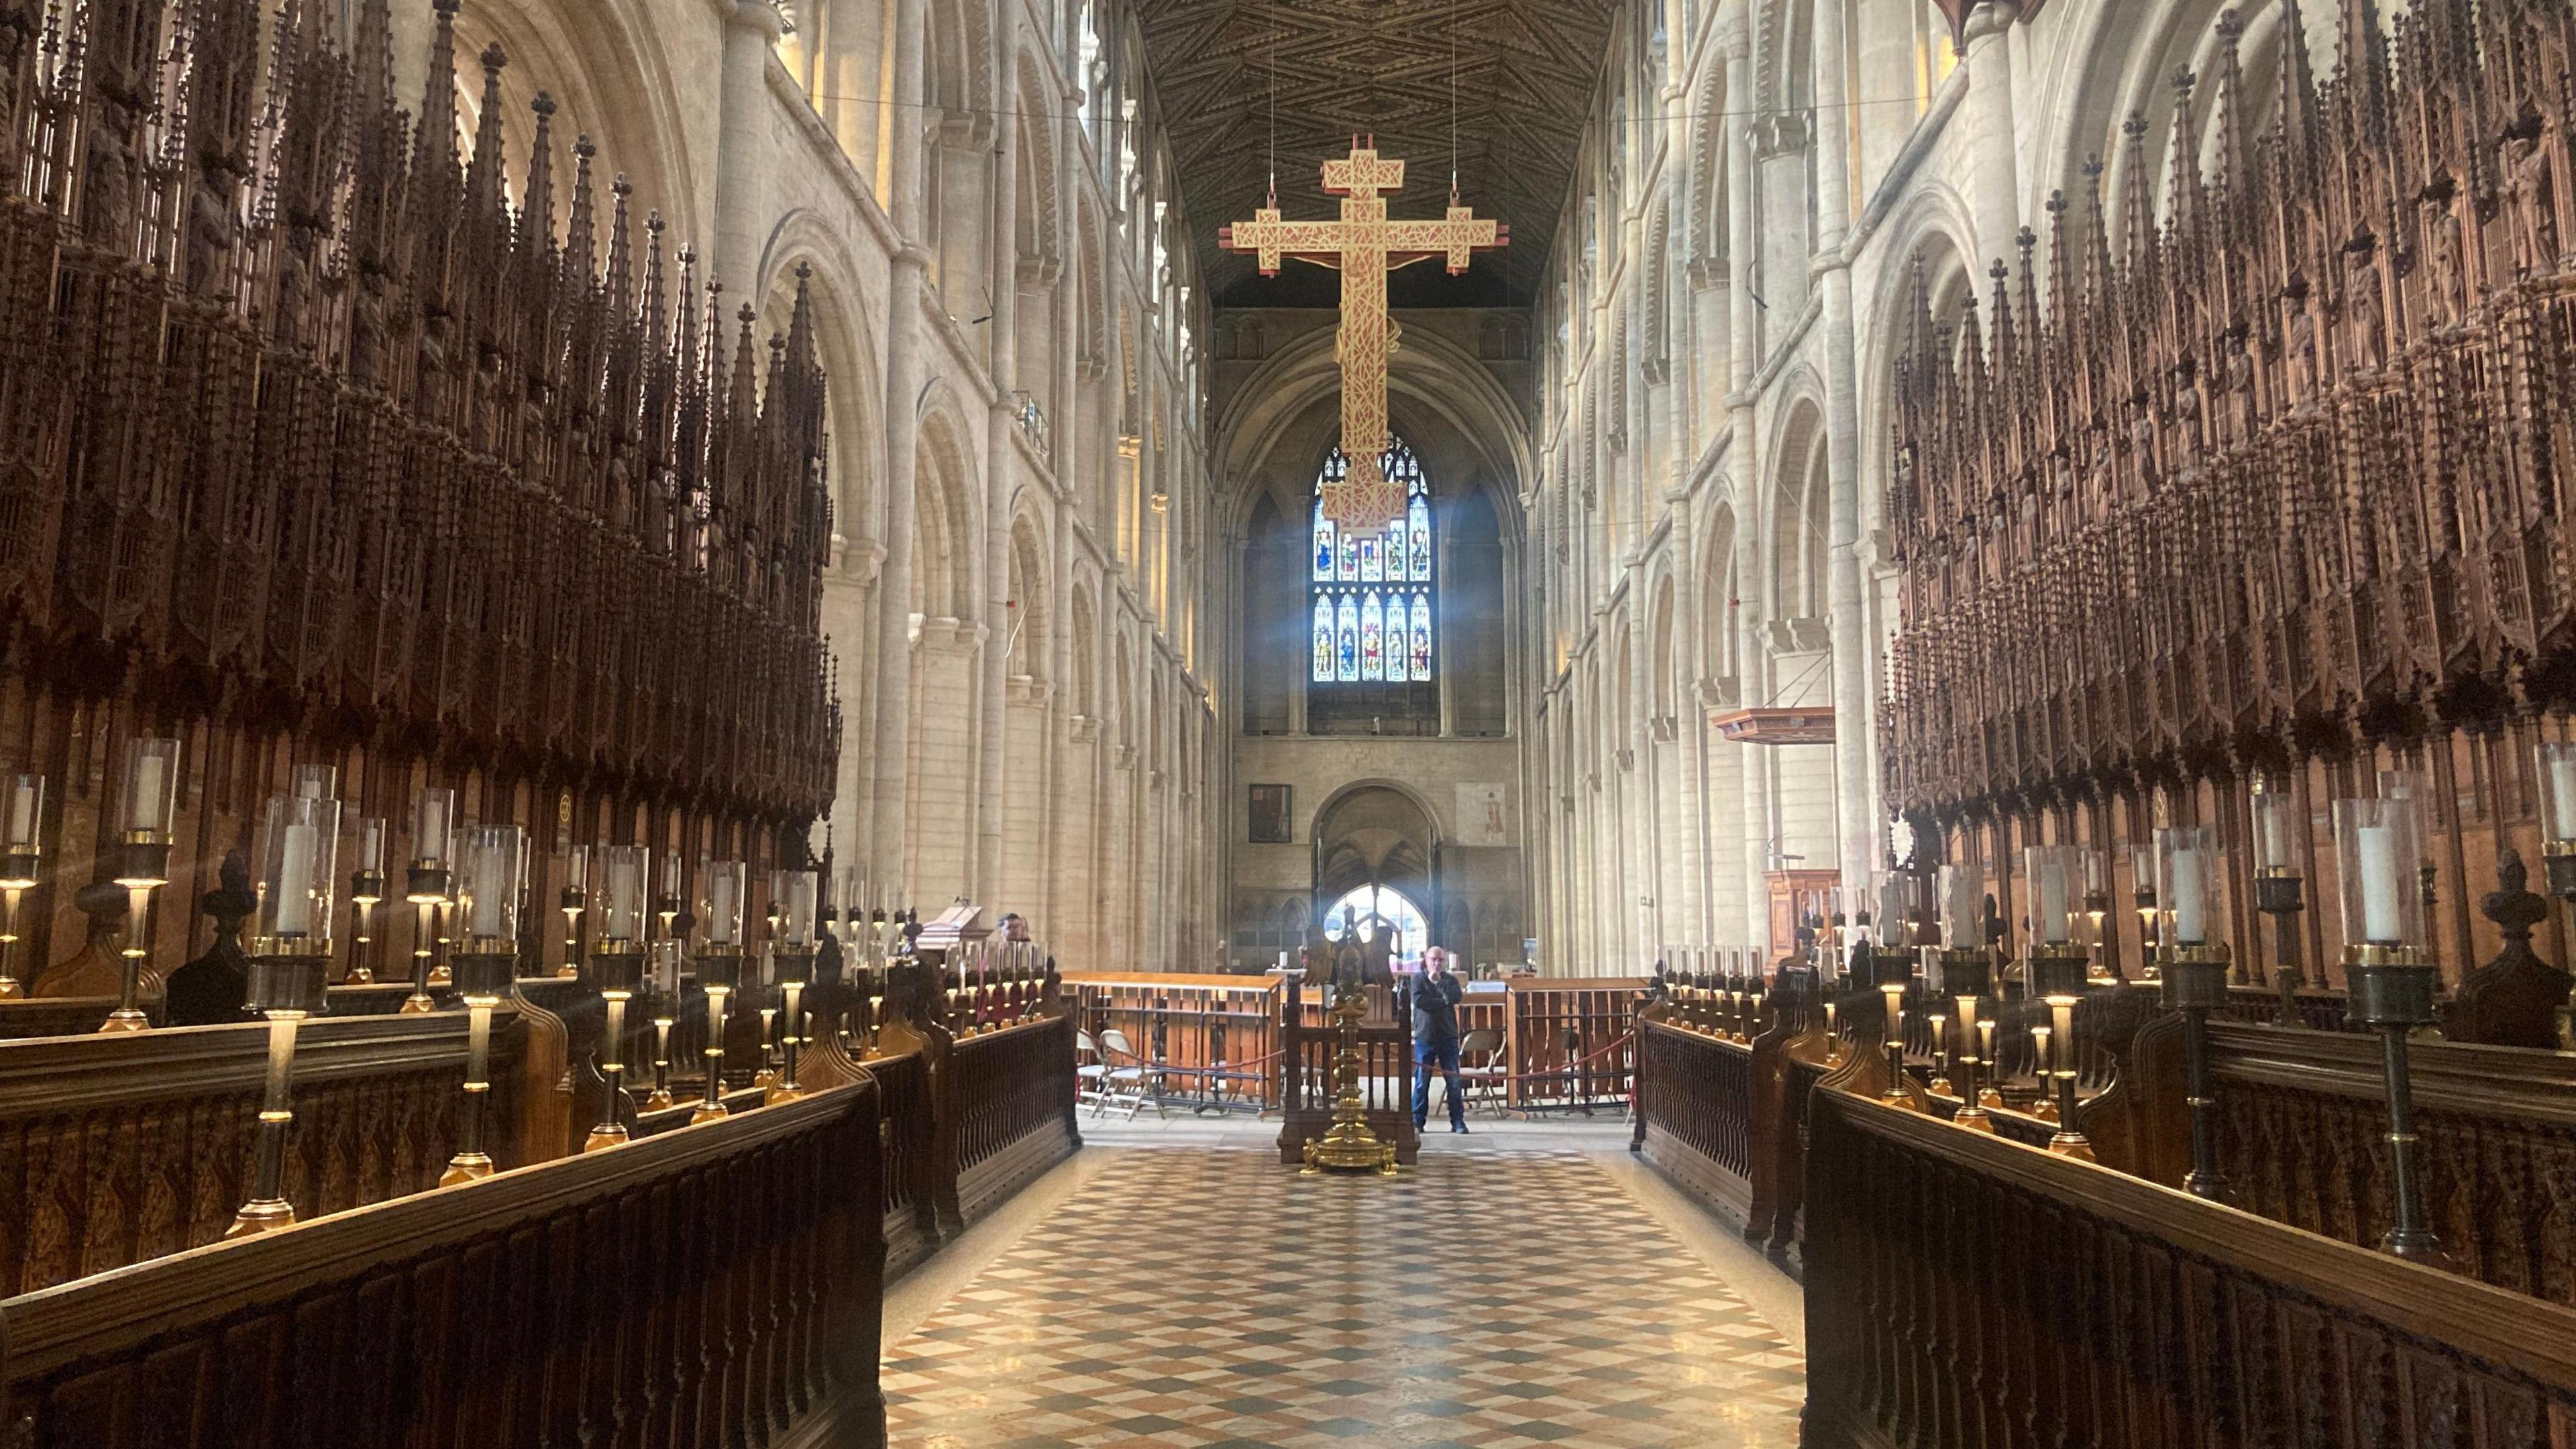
column 1966, row 970
column 2059, row 975
column 21, row 863
column 290, row 965
column 618, row 967
column 483, row 978
column 719, row 972
column 425, row 888
column 491, row 866
column 795, row 971
column 1348, row 1145
column 287, row 984
column 2392, row 991
column 143, row 866
column 794, row 905
column 2195, row 985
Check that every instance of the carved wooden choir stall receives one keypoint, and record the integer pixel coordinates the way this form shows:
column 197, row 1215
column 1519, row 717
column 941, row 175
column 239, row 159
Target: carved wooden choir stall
column 2199, row 1074
column 422, row 1021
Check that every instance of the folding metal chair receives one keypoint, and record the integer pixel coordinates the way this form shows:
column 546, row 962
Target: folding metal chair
column 1486, row 1082
column 1125, row 1086
column 1090, row 1071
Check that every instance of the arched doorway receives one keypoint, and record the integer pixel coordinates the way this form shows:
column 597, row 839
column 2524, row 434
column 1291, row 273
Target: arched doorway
column 1377, row 851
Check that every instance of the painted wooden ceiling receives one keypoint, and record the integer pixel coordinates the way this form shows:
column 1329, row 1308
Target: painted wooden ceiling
column 1525, row 72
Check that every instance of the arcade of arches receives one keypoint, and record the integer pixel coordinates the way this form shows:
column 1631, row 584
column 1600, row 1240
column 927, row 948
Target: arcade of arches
column 697, row 707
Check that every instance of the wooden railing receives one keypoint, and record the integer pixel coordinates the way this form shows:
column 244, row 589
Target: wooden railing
column 1007, row 1114
column 1963, row 1290
column 1700, row 1131
column 1567, row 1041
column 1208, row 1042
column 714, row 1285
column 117, row 1149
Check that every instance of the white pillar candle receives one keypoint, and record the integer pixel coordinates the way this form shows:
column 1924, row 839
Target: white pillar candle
column 487, row 892
column 2052, row 901
column 24, row 801
column 2190, row 926
column 2562, row 798
column 295, row 881
column 720, row 910
column 432, row 844
column 146, row 813
column 2380, row 910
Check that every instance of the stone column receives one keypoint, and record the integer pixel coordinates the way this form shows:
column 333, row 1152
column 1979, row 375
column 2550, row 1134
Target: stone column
column 751, row 27
column 1744, row 465
column 1001, row 466
column 904, row 301
column 1992, row 165
column 1854, row 799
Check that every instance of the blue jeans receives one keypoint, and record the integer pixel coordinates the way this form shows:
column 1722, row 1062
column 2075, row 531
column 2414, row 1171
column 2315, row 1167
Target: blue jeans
column 1443, row 1055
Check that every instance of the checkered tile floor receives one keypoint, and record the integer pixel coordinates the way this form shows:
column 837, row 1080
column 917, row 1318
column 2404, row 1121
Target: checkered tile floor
column 1209, row 1297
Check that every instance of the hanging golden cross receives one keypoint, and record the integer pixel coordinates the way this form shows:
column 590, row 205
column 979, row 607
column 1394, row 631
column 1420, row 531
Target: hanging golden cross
column 1365, row 246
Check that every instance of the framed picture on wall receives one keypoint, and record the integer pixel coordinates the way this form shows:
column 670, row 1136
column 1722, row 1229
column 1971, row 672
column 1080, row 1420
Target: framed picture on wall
column 1270, row 823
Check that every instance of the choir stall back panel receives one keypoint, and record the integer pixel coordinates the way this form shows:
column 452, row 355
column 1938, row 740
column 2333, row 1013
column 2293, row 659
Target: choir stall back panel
column 712, row 1285
column 2048, row 1301
column 1014, row 1095
column 118, row 1149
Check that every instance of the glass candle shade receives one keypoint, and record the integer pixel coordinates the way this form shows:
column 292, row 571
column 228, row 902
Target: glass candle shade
column 2557, row 791
column 298, row 860
column 2377, row 843
column 1963, row 897
column 150, row 803
column 26, row 824
column 490, row 879
column 315, row 782
column 433, row 829
column 2187, row 869
column 623, row 877
column 368, row 865
column 2277, row 828
column 2056, row 875
column 722, row 903
column 792, row 898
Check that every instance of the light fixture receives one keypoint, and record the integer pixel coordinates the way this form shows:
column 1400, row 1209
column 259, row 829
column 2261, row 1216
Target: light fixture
column 288, row 981
column 491, row 876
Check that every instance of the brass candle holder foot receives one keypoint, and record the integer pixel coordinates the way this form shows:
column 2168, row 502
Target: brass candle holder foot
column 1348, row 1145
column 10, row 990
column 660, row 1100
column 466, row 1167
column 778, row 1092
column 416, row 1005
column 2072, row 1144
column 709, row 1112
column 604, row 1136
column 263, row 1216
column 441, row 976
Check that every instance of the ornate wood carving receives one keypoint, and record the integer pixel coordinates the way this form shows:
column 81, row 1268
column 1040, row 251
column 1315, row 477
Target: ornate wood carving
column 716, row 1285
column 113, row 1151
column 2281, row 470
column 1013, row 1096
column 316, row 445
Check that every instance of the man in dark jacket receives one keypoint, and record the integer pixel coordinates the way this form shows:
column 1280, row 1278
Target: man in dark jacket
column 1435, row 1038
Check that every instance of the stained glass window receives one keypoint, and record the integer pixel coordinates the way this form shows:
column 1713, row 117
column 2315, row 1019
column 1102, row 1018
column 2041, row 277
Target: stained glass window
column 1364, row 631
